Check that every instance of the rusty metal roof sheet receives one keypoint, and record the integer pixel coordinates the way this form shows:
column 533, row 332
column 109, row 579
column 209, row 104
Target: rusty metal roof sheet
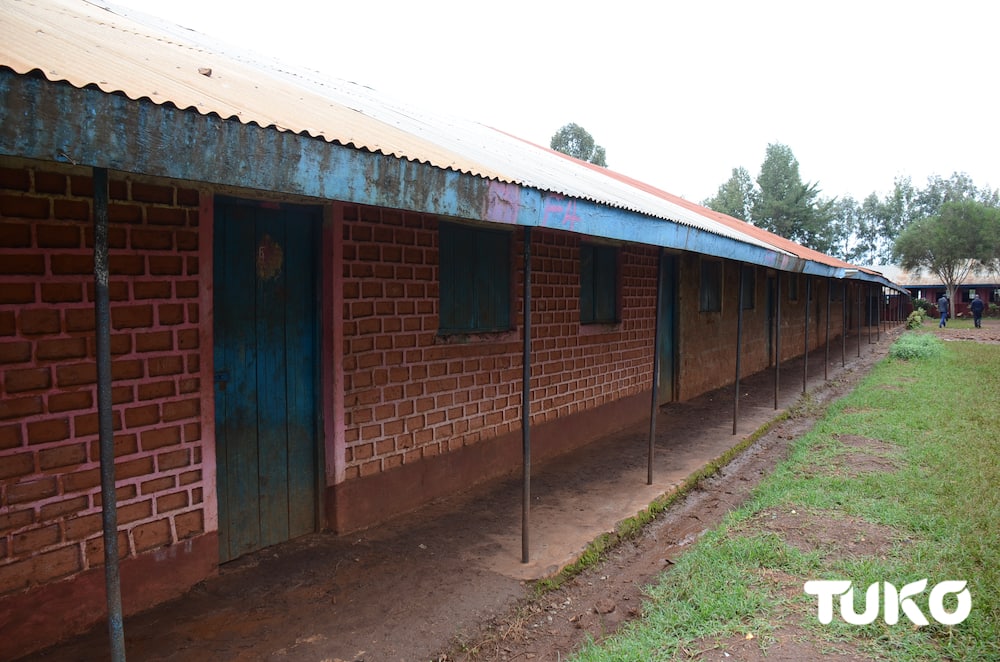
column 85, row 44
column 121, row 51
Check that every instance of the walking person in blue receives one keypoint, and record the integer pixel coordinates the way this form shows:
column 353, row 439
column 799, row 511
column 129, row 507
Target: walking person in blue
column 977, row 307
column 942, row 304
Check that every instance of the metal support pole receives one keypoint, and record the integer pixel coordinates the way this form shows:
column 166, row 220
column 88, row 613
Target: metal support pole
column 777, row 338
column 739, row 350
column 843, row 325
column 805, row 354
column 868, row 308
column 886, row 309
column 655, row 399
column 829, row 298
column 526, row 403
column 859, row 318
column 105, row 420
column 878, row 312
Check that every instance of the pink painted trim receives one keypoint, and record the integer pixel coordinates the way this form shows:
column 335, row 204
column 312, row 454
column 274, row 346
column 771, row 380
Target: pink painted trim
column 332, row 360
column 206, row 343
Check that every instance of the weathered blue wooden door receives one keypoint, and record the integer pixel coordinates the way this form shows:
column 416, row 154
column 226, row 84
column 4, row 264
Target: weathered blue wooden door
column 265, row 373
column 668, row 328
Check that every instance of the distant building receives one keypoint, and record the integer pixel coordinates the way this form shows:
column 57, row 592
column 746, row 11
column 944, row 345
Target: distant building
column 926, row 285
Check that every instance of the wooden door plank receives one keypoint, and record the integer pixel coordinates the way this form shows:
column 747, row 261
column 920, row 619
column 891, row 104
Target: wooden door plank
column 239, row 420
column 301, row 334
column 272, row 415
column 221, row 331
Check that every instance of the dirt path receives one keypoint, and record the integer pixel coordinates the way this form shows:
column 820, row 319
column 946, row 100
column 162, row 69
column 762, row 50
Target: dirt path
column 601, row 599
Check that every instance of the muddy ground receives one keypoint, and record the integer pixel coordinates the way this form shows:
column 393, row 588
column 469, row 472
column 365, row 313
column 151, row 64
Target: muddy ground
column 445, row 582
column 597, row 602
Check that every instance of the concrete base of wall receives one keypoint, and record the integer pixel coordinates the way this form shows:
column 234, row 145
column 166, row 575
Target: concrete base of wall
column 40, row 617
column 361, row 503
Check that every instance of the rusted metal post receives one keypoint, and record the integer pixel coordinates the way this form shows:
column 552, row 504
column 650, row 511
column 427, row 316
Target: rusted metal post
column 868, row 308
column 805, row 354
column 878, row 312
column 655, row 399
column 526, row 404
column 859, row 318
column 739, row 351
column 843, row 325
column 777, row 337
column 105, row 420
column 829, row 298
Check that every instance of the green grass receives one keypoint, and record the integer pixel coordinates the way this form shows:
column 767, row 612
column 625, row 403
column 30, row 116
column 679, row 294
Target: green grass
column 916, row 346
column 942, row 507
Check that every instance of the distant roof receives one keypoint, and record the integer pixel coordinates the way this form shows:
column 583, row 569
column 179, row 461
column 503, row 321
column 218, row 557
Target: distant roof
column 911, row 279
column 120, row 51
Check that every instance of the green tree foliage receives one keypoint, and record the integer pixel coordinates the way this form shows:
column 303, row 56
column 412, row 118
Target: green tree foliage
column 789, row 207
column 736, row 197
column 780, row 202
column 859, row 232
column 574, row 140
column 880, row 221
column 952, row 242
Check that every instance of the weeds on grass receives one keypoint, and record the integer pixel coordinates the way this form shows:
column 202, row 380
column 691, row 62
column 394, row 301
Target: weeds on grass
column 939, row 507
column 912, row 346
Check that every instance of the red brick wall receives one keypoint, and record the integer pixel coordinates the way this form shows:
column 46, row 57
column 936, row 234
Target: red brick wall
column 50, row 521
column 411, row 395
column 707, row 341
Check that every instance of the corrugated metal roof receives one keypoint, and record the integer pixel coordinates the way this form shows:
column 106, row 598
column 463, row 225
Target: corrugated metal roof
column 126, row 52
column 85, row 44
column 122, row 51
column 770, row 238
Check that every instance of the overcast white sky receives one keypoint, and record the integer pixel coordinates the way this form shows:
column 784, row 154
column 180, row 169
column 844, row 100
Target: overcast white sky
column 678, row 93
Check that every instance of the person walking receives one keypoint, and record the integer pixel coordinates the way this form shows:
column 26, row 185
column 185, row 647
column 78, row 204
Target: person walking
column 942, row 304
column 977, row 307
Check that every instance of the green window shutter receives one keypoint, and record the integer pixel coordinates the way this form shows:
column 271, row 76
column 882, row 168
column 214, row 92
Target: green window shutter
column 456, row 291
column 749, row 287
column 606, row 285
column 586, row 284
column 793, row 287
column 474, row 271
column 710, row 287
column 598, row 284
column 491, row 274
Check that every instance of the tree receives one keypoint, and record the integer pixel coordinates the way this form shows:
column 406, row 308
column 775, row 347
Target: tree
column 863, row 233
column 849, row 218
column 949, row 244
column 884, row 219
column 788, row 207
column 575, row 141
column 736, row 197
column 781, row 202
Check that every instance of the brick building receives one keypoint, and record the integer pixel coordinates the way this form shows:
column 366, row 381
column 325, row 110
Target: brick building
column 984, row 283
column 317, row 314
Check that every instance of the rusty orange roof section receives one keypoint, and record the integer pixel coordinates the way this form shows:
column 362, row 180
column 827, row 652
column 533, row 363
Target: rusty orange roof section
column 742, row 226
column 88, row 44
column 119, row 51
